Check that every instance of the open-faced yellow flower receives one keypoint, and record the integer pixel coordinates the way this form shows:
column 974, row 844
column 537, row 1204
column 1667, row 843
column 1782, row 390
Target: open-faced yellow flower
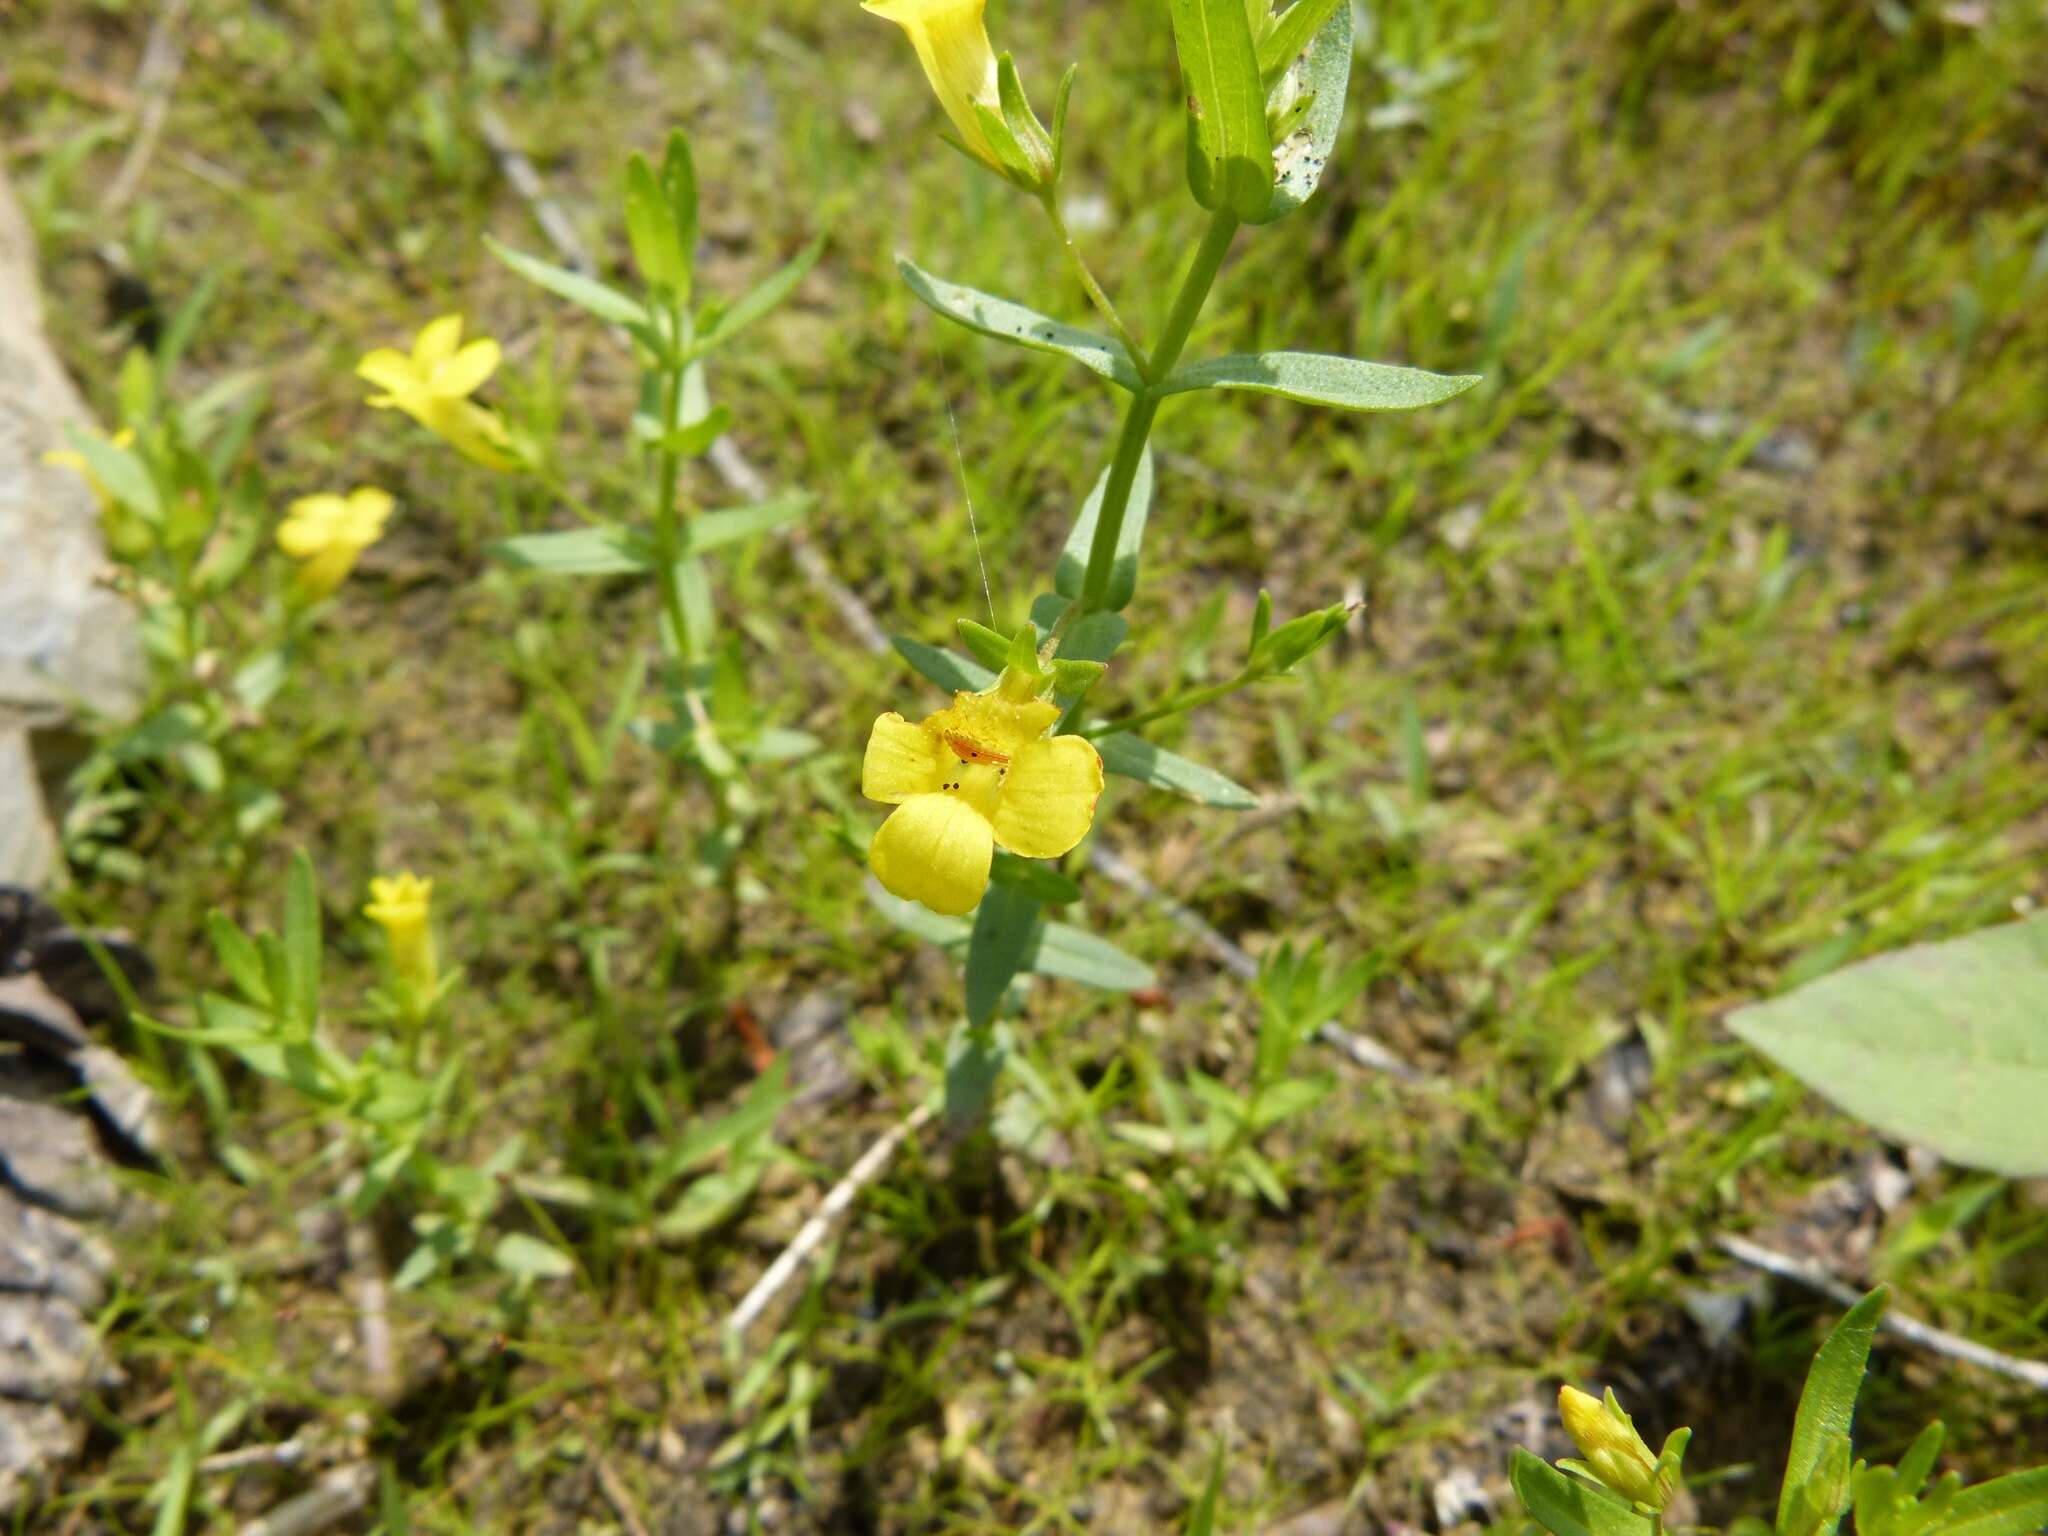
column 1615, row 1453
column 433, row 384
column 400, row 905
column 979, row 773
column 952, row 45
column 326, row 533
column 127, row 534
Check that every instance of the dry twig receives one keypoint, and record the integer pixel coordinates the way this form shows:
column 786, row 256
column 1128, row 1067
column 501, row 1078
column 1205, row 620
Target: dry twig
column 814, row 1231
column 1940, row 1341
column 155, row 78
column 335, row 1497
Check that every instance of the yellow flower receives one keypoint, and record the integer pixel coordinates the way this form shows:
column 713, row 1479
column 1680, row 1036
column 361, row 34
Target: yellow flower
column 399, row 905
column 325, row 533
column 433, row 384
column 979, row 773
column 127, row 535
column 1614, row 1452
column 952, row 45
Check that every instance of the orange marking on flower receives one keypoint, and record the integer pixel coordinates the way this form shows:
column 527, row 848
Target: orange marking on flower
column 968, row 752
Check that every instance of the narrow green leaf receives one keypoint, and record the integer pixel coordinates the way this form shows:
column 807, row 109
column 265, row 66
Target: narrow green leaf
column 760, row 299
column 611, row 550
column 1203, row 1521
column 1291, row 32
column 1136, row 758
column 2014, row 1505
column 239, row 957
column 1230, row 163
column 651, row 229
column 1073, row 954
column 1299, row 158
column 172, row 1493
column 302, row 941
column 1021, row 327
column 989, row 647
column 1565, row 1506
column 1939, row 1044
column 708, row 530
column 602, row 300
column 1123, row 573
column 952, row 672
column 1005, row 934
column 679, row 186
column 1827, row 1404
column 1317, row 378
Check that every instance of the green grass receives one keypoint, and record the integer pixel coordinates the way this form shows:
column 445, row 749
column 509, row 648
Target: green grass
column 1703, row 649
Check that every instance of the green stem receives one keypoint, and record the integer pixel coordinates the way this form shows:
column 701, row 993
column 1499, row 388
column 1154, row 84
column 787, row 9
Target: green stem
column 1194, row 698
column 1049, row 200
column 1144, row 406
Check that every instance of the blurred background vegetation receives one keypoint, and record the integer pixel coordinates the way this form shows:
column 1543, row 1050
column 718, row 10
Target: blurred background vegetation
column 1705, row 649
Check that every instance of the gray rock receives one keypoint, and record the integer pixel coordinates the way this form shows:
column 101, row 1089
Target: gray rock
column 66, row 641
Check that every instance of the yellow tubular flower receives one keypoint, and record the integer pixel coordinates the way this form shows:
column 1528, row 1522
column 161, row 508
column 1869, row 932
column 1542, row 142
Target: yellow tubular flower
column 952, row 45
column 326, row 533
column 399, row 904
column 433, row 384
column 978, row 774
column 1614, row 1452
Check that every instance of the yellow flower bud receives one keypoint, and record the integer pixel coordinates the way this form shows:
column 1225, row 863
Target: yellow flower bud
column 400, row 906
column 952, row 45
column 1614, row 1452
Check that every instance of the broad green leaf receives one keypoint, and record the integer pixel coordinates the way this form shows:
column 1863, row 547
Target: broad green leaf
column 1827, row 1403
column 1564, row 1506
column 651, row 230
column 759, row 300
column 1123, row 573
column 2014, row 1505
column 918, row 921
column 1136, row 758
column 951, row 671
column 1074, row 954
column 1940, row 1044
column 974, row 1060
column 1021, row 327
column 611, row 550
column 121, row 472
column 602, row 300
column 1035, row 878
column 1318, row 378
column 1001, row 944
column 1298, row 160
column 520, row 1253
column 1230, row 162
column 708, row 530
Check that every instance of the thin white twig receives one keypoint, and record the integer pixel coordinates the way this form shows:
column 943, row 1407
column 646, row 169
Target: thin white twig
column 335, row 1497
column 814, row 1231
column 285, row 1453
column 373, row 1321
column 620, row 1497
column 1817, row 1277
column 155, row 78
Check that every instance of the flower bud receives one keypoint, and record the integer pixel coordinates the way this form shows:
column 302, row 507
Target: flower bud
column 1614, row 1452
column 400, row 906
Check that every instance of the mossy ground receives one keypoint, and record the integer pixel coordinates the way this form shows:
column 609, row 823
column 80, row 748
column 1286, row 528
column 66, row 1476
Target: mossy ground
column 1705, row 645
